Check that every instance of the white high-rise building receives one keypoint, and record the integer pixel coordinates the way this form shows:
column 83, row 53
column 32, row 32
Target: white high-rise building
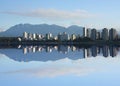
column 34, row 36
column 25, row 35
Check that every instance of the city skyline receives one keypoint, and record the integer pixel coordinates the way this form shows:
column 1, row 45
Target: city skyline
column 90, row 33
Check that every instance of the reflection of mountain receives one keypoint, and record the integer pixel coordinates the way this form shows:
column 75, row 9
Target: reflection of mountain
column 41, row 28
column 18, row 55
column 53, row 53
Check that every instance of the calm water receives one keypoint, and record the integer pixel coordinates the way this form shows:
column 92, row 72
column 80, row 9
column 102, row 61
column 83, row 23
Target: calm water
column 60, row 66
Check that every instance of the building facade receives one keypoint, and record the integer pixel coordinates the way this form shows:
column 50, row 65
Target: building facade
column 63, row 37
column 93, row 34
column 105, row 34
column 112, row 34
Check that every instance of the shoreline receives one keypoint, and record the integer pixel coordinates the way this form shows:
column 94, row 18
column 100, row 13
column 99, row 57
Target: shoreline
column 15, row 41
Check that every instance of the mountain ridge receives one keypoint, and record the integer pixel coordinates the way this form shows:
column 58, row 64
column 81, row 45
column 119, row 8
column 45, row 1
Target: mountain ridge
column 17, row 30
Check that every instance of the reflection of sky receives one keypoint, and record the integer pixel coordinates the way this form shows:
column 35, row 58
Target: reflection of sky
column 96, row 71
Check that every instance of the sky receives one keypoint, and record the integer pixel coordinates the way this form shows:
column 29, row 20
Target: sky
column 88, row 13
column 94, row 71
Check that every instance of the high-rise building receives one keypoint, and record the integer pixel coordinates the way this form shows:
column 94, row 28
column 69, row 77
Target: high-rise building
column 112, row 34
column 98, row 35
column 84, row 32
column 25, row 35
column 105, row 35
column 105, row 51
column 93, row 34
column 34, row 36
column 88, row 33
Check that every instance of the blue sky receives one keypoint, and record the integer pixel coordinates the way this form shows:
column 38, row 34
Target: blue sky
column 88, row 13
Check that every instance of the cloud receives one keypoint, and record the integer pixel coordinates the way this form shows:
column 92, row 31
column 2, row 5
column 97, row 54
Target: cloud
column 54, row 14
column 54, row 71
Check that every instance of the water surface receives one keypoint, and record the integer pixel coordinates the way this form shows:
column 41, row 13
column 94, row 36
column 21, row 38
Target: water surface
column 60, row 66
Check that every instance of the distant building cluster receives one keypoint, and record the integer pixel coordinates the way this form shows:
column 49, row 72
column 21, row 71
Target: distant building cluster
column 93, row 34
column 105, row 34
column 49, row 36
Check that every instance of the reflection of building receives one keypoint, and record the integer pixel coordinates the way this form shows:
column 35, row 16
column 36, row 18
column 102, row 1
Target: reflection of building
column 39, row 49
column 94, row 51
column 87, row 52
column 113, row 51
column 105, row 51
column 34, row 49
column 84, row 53
column 25, row 50
column 63, row 49
column 48, row 49
column 73, row 48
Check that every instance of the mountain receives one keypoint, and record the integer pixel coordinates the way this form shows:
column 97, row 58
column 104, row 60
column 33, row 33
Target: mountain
column 18, row 30
column 17, row 55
